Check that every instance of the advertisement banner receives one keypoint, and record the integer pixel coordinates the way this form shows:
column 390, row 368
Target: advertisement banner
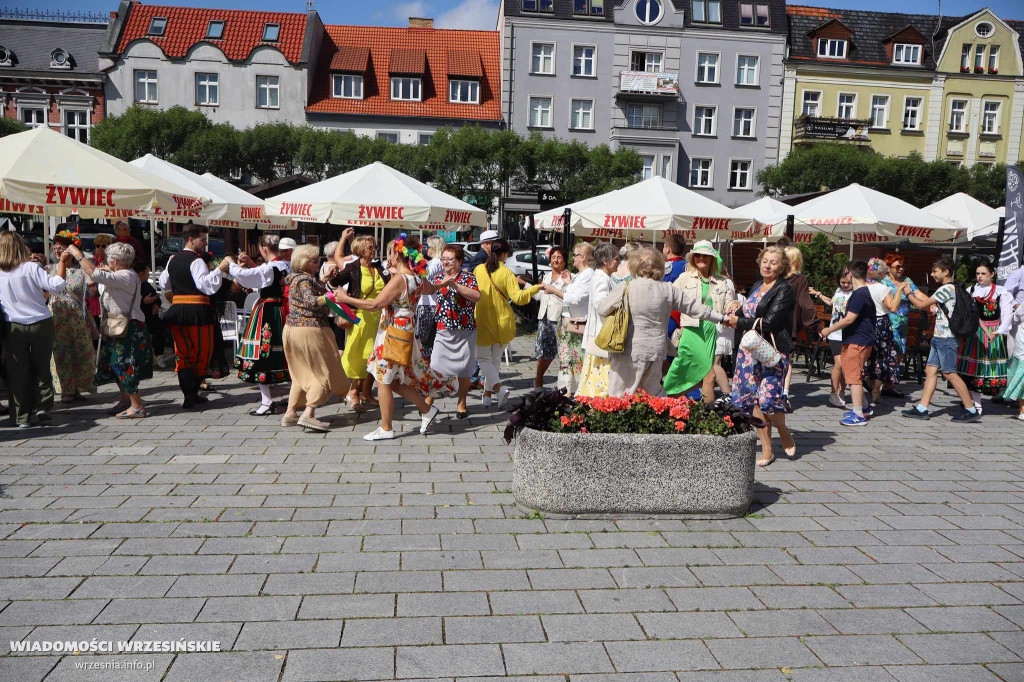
column 656, row 83
column 1010, row 254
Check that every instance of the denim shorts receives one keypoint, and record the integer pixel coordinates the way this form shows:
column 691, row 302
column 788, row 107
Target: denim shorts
column 943, row 354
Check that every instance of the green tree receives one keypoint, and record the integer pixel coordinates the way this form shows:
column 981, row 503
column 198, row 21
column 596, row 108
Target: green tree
column 210, row 149
column 9, row 126
column 140, row 131
column 822, row 263
column 268, row 150
column 816, row 168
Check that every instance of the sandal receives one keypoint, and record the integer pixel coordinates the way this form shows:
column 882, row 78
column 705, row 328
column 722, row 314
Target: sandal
column 314, row 424
column 132, row 413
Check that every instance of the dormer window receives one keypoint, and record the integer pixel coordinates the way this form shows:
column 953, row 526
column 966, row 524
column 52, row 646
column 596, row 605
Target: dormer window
column 831, row 48
column 60, row 59
column 348, row 86
column 707, row 11
column 589, row 8
column 753, row 14
column 271, row 32
column 5, row 56
column 903, row 53
column 404, row 88
column 983, row 29
column 464, row 91
column 157, row 26
column 215, row 29
column 538, row 6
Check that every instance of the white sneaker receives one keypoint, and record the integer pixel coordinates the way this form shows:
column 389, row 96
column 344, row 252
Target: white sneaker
column 836, row 400
column 502, row 396
column 379, row 434
column 485, row 401
column 1020, row 417
column 427, row 419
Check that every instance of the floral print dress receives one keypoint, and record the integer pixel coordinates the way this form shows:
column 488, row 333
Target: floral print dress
column 72, row 361
column 899, row 319
column 753, row 384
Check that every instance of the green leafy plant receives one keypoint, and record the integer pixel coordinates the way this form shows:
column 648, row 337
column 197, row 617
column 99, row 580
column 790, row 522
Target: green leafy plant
column 821, row 263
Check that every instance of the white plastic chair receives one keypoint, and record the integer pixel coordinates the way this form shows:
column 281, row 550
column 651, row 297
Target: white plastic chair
column 229, row 325
column 246, row 311
column 507, row 357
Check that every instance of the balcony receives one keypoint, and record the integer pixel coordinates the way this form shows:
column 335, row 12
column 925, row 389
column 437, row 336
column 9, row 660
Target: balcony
column 663, row 135
column 811, row 129
column 642, row 85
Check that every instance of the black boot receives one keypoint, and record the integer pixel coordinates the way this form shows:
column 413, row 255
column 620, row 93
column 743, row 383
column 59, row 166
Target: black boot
column 189, row 387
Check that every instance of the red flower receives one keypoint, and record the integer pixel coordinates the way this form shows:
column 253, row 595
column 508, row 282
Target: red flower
column 728, row 420
column 680, row 426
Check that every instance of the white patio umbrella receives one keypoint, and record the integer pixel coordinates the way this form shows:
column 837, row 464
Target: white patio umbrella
column 376, row 196
column 771, row 213
column 967, row 213
column 658, row 207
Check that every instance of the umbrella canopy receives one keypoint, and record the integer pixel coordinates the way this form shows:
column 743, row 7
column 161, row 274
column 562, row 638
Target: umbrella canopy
column 377, row 196
column 658, row 207
column 967, row 213
column 865, row 215
column 48, row 174
column 769, row 212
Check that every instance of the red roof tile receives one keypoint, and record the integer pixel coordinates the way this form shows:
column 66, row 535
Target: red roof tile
column 465, row 63
column 351, row 58
column 407, row 60
column 243, row 30
column 436, row 44
column 820, row 12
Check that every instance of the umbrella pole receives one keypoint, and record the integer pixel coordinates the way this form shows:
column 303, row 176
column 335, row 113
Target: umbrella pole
column 152, row 245
column 49, row 228
column 851, row 247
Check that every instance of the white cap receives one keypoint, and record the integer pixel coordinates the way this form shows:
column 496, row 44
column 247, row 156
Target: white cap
column 286, row 244
column 489, row 236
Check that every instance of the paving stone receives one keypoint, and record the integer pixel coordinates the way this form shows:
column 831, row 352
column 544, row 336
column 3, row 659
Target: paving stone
column 166, row 610
column 460, row 660
column 860, row 650
column 324, row 664
column 493, row 629
column 964, row 594
column 538, row 601
column 151, row 667
column 961, row 619
column 687, row 625
column 249, row 608
column 870, row 621
column 67, row 612
column 133, row 586
column 309, row 583
column 255, row 666
column 392, row 632
column 348, row 606
column 970, row 648
column 319, row 634
column 556, row 658
column 774, row 652
column 622, row 600
column 443, row 604
column 398, row 581
column 885, row 595
column 26, row 668
column 644, row 656
column 713, row 598
column 591, row 628
column 941, row 673
column 780, row 623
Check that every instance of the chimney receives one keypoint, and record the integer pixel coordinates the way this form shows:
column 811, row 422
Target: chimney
column 420, row 22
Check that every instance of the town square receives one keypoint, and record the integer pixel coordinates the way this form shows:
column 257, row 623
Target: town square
column 642, row 340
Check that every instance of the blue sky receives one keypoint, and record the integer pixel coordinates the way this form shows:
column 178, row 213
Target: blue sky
column 483, row 13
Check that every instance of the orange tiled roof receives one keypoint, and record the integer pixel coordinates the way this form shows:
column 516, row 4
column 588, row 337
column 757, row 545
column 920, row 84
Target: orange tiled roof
column 351, row 58
column 820, row 12
column 465, row 63
column 436, row 44
column 243, row 30
column 407, row 60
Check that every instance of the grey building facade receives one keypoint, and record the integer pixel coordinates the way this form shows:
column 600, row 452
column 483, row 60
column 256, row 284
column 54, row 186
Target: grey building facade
column 694, row 86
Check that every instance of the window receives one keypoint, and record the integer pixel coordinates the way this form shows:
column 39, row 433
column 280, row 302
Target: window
column 993, row 58
column 701, row 172
column 33, row 117
column 830, row 48
column 912, row 113
column 591, row 8
column 752, row 14
column 405, row 88
column 879, row 111
column 543, row 58
column 583, row 60
column 847, row 106
column 743, row 122
column 157, row 26
column 582, row 114
column 145, row 87
column 5, row 56
column 465, row 92
column 348, row 86
column 59, row 59
column 707, row 11
column 979, row 56
column 207, row 89
column 983, row 29
column 965, row 57
column 746, row 70
column 906, row 54
column 666, row 167
column 647, row 62
column 648, row 170
column 425, row 139
column 540, row 112
column 812, row 103
column 957, row 115
column 387, row 137
column 76, row 124
column 271, row 32
column 643, row 116
column 990, row 118
column 739, row 174
column 215, row 29
column 649, row 11
column 267, row 92
column 538, row 6
column 707, row 67
column 704, row 120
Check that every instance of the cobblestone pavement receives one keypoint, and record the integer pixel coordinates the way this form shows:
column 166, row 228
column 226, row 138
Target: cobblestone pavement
column 891, row 552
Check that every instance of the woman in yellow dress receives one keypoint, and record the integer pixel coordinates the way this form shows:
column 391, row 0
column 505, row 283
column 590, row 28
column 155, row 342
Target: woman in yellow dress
column 363, row 278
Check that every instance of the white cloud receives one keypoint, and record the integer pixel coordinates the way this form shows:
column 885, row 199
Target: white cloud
column 414, row 8
column 470, row 14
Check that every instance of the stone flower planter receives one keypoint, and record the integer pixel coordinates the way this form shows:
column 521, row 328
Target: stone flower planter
column 598, row 475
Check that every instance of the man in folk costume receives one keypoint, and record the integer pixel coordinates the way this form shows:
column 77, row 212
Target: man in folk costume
column 260, row 358
column 191, row 317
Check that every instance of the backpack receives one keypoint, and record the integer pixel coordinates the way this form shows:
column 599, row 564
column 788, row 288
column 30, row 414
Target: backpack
column 964, row 320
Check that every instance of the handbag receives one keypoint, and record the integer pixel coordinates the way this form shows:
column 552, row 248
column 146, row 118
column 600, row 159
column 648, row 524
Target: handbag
column 398, row 345
column 575, row 326
column 759, row 347
column 612, row 336
column 115, row 325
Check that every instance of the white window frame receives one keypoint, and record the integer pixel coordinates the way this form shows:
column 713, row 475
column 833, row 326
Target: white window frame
column 643, row 108
column 415, row 84
column 380, row 135
column 718, row 68
column 155, row 80
column 202, row 81
column 648, row 171
column 356, row 79
column 965, row 56
column 270, row 86
column 839, row 106
column 551, row 112
column 539, row 6
column 572, row 113
column 817, row 103
column 962, row 128
column 22, row 108
column 710, row 171
column 993, row 58
column 699, row 120
column 474, row 91
column 750, row 175
column 885, row 111
column 86, row 126
column 420, row 136
column 754, row 4
column 534, row 44
column 665, row 167
column 592, row 59
column 706, row 5
column 649, row 21
column 918, row 109
column 979, row 56
column 757, row 70
column 904, row 61
column 661, row 60
column 997, row 119
column 826, row 42
column 987, row 34
column 753, row 122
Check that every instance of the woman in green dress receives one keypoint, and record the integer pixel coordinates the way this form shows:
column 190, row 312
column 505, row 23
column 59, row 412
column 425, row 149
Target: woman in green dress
column 72, row 364
column 694, row 364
